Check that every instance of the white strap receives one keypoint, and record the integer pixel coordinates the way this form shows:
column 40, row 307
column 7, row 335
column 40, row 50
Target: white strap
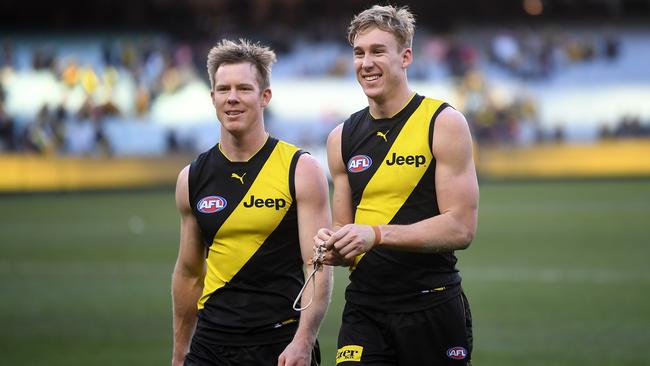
column 313, row 281
column 319, row 254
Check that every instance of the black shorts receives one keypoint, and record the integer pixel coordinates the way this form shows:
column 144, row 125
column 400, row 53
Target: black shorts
column 259, row 355
column 441, row 335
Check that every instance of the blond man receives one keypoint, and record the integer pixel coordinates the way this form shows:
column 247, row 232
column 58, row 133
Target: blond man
column 249, row 209
column 405, row 198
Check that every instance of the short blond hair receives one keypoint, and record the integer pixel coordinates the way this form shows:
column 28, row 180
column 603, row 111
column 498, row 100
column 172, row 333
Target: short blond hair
column 398, row 21
column 229, row 52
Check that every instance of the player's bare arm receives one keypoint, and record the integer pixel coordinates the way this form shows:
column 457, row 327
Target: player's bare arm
column 341, row 197
column 457, row 193
column 313, row 213
column 189, row 271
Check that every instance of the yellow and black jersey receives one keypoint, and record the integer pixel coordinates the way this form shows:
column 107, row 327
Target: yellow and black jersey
column 391, row 171
column 247, row 215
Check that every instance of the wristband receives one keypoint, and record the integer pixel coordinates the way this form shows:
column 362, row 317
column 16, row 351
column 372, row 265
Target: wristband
column 375, row 228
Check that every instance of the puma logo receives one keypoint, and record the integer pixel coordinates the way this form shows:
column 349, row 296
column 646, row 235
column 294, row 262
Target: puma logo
column 241, row 178
column 383, row 134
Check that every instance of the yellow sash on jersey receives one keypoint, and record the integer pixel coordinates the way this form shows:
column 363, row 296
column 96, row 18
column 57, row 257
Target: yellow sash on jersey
column 246, row 229
column 390, row 186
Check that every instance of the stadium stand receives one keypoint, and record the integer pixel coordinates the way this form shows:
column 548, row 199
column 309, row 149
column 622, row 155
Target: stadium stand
column 570, row 75
column 63, row 99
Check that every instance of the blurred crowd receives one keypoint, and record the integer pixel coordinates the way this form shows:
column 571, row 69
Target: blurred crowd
column 130, row 74
column 533, row 55
column 91, row 93
column 626, row 127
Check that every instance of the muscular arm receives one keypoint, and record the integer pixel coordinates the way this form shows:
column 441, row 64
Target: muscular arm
column 456, row 189
column 313, row 213
column 341, row 197
column 187, row 279
column 457, row 193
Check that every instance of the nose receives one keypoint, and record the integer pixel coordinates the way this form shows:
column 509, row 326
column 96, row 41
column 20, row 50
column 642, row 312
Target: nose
column 366, row 62
column 233, row 98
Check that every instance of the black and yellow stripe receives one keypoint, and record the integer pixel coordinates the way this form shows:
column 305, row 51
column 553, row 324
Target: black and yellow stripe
column 247, row 228
column 398, row 188
column 254, row 266
column 391, row 185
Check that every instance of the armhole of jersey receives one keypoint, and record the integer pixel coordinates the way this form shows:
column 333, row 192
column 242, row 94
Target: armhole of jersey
column 345, row 148
column 292, row 173
column 432, row 123
column 191, row 178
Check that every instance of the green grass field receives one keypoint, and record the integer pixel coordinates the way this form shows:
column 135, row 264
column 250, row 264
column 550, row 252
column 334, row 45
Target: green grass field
column 557, row 275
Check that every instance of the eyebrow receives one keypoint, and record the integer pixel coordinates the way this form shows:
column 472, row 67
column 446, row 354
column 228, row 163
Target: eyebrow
column 238, row 85
column 373, row 46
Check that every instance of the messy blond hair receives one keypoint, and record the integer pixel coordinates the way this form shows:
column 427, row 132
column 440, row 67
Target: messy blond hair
column 229, row 52
column 397, row 21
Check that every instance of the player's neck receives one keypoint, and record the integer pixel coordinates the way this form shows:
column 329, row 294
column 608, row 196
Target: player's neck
column 242, row 147
column 389, row 104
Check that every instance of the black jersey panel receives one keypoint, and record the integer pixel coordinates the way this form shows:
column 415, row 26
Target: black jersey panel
column 247, row 215
column 260, row 296
column 396, row 186
column 217, row 185
column 365, row 142
column 253, row 219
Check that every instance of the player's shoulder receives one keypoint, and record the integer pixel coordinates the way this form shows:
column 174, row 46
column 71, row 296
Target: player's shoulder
column 200, row 159
column 431, row 100
column 443, row 112
column 449, row 117
column 304, row 163
column 356, row 117
column 288, row 151
column 182, row 189
column 335, row 134
column 183, row 175
column 436, row 106
column 360, row 113
column 309, row 176
column 288, row 147
column 451, row 129
column 308, row 165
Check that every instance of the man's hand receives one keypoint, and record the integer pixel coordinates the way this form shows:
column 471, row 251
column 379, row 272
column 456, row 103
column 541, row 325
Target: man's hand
column 319, row 247
column 330, row 257
column 322, row 236
column 297, row 353
column 350, row 241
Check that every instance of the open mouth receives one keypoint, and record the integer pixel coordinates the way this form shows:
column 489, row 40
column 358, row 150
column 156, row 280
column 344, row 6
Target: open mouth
column 371, row 77
column 233, row 113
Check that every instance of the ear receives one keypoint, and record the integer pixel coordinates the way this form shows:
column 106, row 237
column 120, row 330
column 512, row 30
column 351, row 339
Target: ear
column 266, row 97
column 212, row 97
column 407, row 57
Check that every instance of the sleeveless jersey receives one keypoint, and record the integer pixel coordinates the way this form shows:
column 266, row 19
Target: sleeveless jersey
column 246, row 212
column 391, row 171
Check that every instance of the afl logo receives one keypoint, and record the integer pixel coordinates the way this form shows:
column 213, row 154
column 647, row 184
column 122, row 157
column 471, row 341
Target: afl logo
column 457, row 353
column 211, row 204
column 359, row 163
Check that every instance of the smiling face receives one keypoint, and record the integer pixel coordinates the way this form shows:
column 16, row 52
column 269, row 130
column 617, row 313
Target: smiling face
column 237, row 97
column 380, row 64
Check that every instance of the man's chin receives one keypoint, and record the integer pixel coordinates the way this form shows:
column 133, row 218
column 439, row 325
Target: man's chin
column 234, row 127
column 374, row 93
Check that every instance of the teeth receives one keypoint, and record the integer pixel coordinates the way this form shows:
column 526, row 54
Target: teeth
column 233, row 113
column 371, row 77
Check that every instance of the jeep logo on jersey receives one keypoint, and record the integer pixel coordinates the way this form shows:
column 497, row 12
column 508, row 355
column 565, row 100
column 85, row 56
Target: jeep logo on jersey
column 457, row 353
column 211, row 204
column 416, row 160
column 359, row 163
column 278, row 203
